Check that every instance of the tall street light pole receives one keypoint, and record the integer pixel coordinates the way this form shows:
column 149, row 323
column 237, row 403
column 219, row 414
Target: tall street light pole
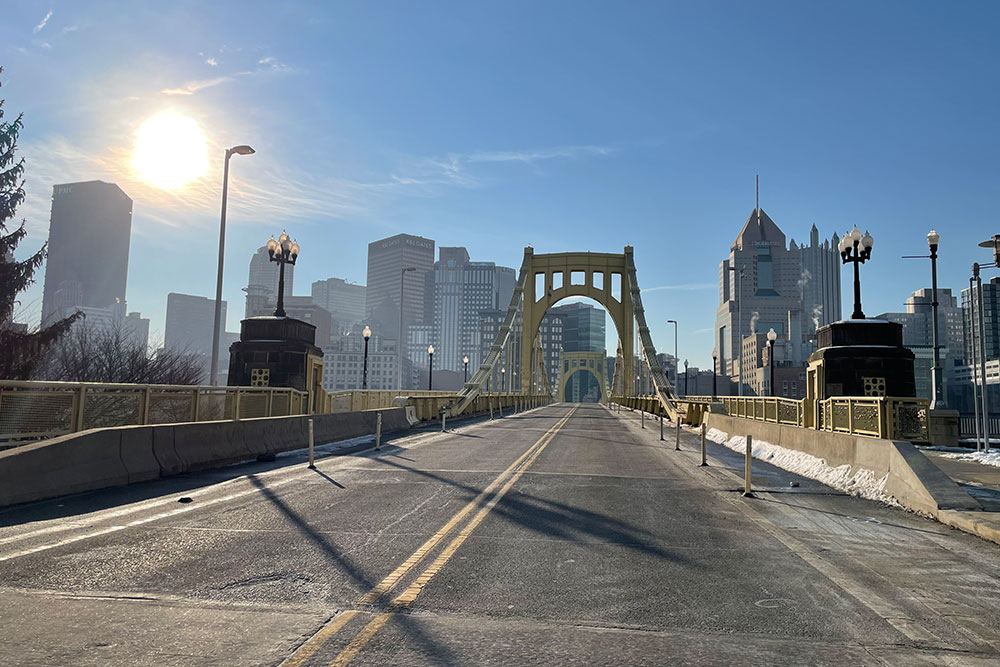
column 677, row 360
column 772, row 336
column 685, row 377
column 399, row 343
column 715, row 370
column 217, row 332
column 366, row 334
column 465, row 360
column 430, row 368
column 857, row 250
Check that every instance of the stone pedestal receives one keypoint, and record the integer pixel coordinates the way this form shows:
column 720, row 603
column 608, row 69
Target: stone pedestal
column 276, row 352
column 943, row 427
column 862, row 358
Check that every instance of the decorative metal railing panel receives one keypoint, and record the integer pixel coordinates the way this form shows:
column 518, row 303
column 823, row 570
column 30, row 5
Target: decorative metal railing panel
column 35, row 410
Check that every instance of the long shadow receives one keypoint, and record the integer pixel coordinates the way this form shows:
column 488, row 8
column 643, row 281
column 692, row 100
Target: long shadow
column 97, row 500
column 554, row 519
column 345, row 564
column 328, row 478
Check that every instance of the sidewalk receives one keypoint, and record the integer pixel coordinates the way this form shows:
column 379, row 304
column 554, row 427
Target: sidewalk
column 982, row 482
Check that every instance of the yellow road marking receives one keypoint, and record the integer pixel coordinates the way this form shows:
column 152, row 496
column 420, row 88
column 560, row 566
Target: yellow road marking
column 410, row 594
column 310, row 647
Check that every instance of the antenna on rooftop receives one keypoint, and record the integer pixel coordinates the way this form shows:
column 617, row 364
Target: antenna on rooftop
column 757, row 179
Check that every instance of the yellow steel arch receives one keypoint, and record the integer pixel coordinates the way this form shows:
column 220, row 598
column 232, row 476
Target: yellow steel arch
column 576, row 362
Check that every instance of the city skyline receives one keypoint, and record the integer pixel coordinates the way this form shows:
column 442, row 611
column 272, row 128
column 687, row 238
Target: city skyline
column 661, row 158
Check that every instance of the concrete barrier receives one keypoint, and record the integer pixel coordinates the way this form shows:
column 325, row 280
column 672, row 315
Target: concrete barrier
column 100, row 458
column 913, row 479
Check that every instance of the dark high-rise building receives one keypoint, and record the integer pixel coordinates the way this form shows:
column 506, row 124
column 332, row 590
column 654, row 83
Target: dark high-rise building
column 89, row 234
column 464, row 289
column 386, row 260
column 583, row 331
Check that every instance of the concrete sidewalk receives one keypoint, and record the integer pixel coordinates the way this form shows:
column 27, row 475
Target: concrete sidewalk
column 982, row 482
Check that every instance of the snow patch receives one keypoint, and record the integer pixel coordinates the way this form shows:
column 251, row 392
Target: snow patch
column 988, row 457
column 864, row 483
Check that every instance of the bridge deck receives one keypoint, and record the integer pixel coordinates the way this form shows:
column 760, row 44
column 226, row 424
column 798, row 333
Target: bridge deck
column 562, row 535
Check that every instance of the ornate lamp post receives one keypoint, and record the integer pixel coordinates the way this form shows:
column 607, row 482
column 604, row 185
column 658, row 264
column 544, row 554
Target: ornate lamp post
column 283, row 251
column 856, row 249
column 465, row 360
column 685, row 377
column 230, row 152
column 367, row 333
column 772, row 336
column 430, row 368
column 715, row 370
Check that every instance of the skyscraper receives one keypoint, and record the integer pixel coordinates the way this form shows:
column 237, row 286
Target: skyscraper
column 190, row 325
column 386, row 260
column 463, row 290
column 262, row 284
column 345, row 301
column 89, row 235
column 776, row 290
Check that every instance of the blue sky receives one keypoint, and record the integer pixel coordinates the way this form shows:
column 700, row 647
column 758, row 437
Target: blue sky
column 564, row 125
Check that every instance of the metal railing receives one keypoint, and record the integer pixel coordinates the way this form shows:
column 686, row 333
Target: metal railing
column 34, row 410
column 372, row 399
column 891, row 418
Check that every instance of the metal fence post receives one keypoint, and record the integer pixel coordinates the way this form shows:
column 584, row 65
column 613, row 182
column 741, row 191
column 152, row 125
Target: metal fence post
column 704, row 450
column 378, row 431
column 747, row 492
column 312, row 458
column 677, row 432
column 81, row 401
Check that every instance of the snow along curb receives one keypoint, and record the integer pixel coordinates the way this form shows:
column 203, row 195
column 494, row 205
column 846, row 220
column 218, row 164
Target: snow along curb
column 863, row 483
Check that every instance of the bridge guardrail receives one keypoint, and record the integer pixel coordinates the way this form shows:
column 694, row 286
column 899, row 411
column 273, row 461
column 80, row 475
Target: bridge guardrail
column 31, row 410
column 892, row 418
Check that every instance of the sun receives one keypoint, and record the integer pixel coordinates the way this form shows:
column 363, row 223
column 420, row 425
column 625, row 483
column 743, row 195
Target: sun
column 169, row 151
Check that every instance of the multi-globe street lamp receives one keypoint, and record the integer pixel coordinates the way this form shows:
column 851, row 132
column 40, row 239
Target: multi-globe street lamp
column 366, row 334
column 283, row 251
column 430, row 367
column 856, row 249
column 242, row 149
column 772, row 336
column 465, row 360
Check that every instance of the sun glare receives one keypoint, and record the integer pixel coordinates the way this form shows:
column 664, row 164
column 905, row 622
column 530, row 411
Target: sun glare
column 169, row 151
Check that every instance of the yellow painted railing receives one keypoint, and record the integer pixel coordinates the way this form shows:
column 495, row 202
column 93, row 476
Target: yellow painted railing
column 892, row 418
column 33, row 410
column 373, row 399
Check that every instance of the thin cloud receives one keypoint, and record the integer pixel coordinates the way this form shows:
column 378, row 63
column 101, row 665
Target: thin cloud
column 212, row 61
column 191, row 87
column 70, row 28
column 683, row 287
column 541, row 154
column 40, row 26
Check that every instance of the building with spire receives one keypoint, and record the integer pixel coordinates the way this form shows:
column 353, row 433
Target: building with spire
column 767, row 283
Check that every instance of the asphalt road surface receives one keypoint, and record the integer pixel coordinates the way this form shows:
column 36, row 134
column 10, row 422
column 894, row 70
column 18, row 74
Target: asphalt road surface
column 563, row 535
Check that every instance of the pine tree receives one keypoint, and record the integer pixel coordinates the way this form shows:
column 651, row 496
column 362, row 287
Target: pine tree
column 20, row 351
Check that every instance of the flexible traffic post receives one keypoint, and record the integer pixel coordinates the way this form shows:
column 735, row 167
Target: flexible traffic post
column 704, row 461
column 677, row 432
column 444, row 419
column 642, row 417
column 312, row 457
column 378, row 430
column 747, row 492
column 661, row 426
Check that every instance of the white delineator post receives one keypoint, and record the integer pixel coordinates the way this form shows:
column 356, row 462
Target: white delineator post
column 704, row 462
column 746, row 473
column 378, row 431
column 677, row 432
column 312, row 457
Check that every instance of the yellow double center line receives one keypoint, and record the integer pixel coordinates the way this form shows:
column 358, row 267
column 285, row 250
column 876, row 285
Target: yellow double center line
column 308, row 649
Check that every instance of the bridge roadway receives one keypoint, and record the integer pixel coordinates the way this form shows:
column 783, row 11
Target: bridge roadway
column 564, row 535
